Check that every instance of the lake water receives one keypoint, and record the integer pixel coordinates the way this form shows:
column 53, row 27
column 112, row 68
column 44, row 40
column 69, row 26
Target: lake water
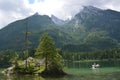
column 108, row 70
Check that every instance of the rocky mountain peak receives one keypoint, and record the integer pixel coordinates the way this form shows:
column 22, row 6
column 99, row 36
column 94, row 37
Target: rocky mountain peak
column 36, row 14
column 91, row 10
column 57, row 20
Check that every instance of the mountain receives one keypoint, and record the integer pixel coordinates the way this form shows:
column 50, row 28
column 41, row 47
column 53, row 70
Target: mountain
column 94, row 27
column 14, row 33
column 57, row 20
column 90, row 29
column 96, row 19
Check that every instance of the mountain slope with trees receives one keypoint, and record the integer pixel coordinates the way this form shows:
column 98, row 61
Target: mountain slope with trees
column 96, row 28
column 92, row 27
column 14, row 33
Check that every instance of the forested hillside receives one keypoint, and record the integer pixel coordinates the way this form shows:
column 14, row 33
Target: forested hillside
column 90, row 29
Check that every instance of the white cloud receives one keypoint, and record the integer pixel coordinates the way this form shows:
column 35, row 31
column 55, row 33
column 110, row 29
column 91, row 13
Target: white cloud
column 11, row 10
column 47, row 7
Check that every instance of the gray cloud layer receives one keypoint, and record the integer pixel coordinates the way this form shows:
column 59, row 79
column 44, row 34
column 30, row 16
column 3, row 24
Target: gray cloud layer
column 73, row 6
column 11, row 10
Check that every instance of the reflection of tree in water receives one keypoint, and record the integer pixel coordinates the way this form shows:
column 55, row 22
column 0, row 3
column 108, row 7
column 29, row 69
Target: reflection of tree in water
column 26, row 77
column 33, row 77
column 9, row 77
column 89, row 76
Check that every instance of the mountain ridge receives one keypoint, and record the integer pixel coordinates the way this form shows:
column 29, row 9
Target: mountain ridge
column 92, row 27
column 57, row 20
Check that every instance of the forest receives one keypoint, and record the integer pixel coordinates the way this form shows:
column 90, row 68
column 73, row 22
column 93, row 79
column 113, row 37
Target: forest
column 7, row 56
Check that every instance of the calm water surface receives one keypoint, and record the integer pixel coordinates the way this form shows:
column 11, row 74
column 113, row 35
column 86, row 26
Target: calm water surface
column 109, row 70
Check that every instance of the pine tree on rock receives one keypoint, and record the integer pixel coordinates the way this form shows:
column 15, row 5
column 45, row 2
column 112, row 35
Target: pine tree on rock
column 47, row 51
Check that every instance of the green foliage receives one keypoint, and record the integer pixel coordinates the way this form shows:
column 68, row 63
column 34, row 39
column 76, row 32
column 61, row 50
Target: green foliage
column 47, row 51
column 29, row 70
column 7, row 57
column 109, row 54
column 76, row 48
column 57, row 62
column 100, row 40
column 46, row 46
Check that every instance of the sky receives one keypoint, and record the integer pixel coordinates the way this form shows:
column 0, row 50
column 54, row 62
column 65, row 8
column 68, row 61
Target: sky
column 12, row 10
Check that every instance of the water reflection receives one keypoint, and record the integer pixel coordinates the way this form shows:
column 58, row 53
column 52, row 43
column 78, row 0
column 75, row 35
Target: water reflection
column 22, row 77
column 87, row 76
column 79, row 71
column 91, row 76
column 86, row 64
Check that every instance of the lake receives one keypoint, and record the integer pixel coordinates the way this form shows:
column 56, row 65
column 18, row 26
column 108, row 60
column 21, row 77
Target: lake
column 108, row 70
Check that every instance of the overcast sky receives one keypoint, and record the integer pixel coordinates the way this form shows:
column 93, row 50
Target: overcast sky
column 11, row 10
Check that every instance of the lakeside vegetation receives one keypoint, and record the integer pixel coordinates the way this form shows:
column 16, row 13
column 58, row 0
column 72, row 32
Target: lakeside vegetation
column 46, row 61
column 8, row 57
column 108, row 54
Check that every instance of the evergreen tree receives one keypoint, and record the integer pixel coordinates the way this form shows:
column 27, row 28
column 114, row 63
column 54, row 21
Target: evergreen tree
column 47, row 51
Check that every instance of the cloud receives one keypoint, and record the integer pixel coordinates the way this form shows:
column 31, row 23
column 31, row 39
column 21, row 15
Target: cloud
column 68, row 8
column 11, row 10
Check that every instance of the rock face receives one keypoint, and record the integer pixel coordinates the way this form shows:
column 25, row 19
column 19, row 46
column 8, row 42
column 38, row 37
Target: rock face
column 9, row 71
column 57, row 21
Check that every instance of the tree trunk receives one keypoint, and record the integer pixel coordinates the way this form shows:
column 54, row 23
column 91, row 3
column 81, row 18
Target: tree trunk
column 46, row 68
column 26, row 63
